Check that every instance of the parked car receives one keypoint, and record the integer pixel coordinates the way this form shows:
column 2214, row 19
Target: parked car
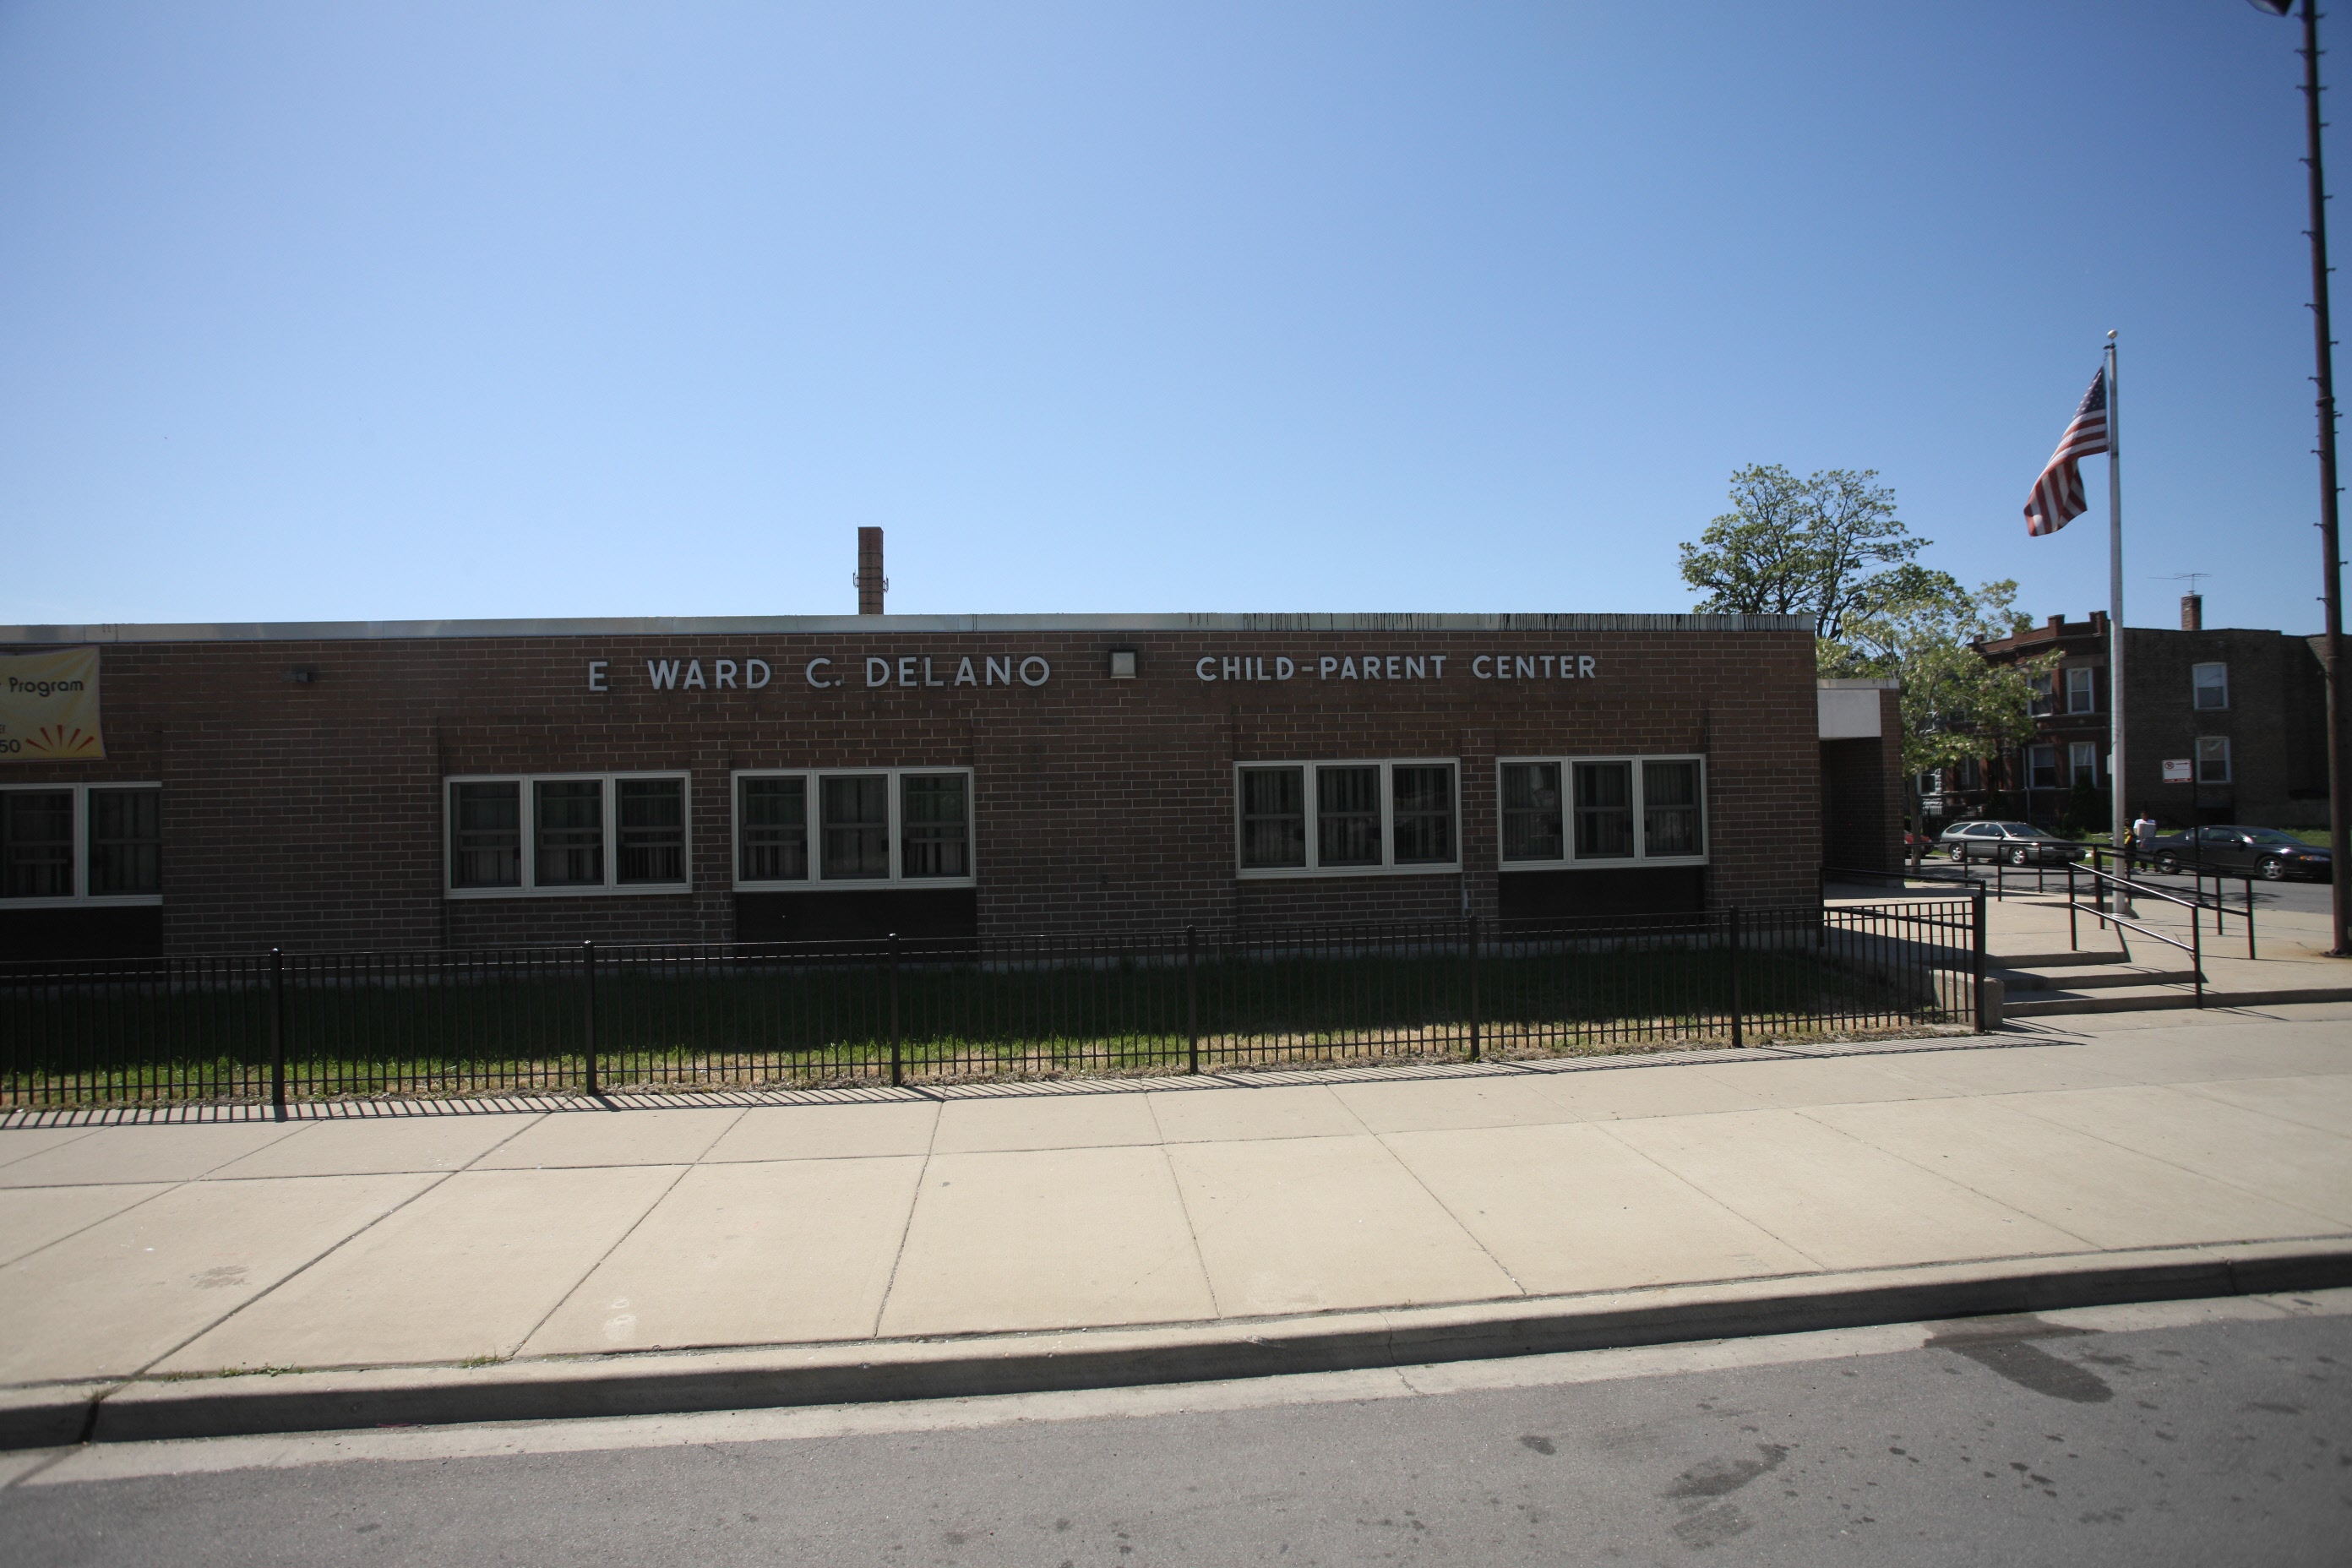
column 2018, row 843
column 2264, row 851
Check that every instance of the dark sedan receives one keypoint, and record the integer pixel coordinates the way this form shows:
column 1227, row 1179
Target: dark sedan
column 2018, row 843
column 2264, row 851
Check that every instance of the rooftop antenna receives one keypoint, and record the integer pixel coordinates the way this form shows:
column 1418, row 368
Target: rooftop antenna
column 2191, row 578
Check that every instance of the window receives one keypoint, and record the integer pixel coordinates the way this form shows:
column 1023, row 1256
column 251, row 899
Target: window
column 568, row 834
column 2082, row 689
column 1425, row 814
column 651, row 817
column 486, row 834
column 2044, row 685
column 856, row 817
column 871, row 826
column 1559, row 811
column 65, row 844
column 2212, row 759
column 1669, row 809
column 1531, row 819
column 2042, row 767
column 1274, row 818
column 2210, row 685
column 1341, row 818
column 2082, row 762
column 1966, row 774
column 771, row 829
column 938, row 826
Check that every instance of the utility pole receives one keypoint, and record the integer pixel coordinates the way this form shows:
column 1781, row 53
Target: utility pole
column 2332, row 564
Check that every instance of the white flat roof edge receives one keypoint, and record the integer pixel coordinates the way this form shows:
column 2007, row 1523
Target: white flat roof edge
column 755, row 626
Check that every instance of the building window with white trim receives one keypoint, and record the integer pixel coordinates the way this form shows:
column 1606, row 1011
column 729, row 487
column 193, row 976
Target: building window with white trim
column 856, row 833
column 869, row 827
column 2082, row 761
column 2042, row 767
column 1531, row 819
column 1423, row 814
column 771, row 829
column 1670, row 807
column 2044, row 701
column 71, row 844
column 1611, row 809
column 1346, row 818
column 650, row 819
column 1274, row 818
column 2082, row 689
column 486, row 834
column 568, row 834
column 2209, row 686
column 936, row 825
column 2212, row 759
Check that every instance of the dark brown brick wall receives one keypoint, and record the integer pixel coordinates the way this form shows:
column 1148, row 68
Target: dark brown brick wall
column 311, row 814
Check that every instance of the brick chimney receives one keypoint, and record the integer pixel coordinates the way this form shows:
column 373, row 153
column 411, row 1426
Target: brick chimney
column 871, row 584
column 2192, row 612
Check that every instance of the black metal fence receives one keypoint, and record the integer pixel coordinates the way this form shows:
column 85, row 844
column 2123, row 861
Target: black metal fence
column 592, row 1018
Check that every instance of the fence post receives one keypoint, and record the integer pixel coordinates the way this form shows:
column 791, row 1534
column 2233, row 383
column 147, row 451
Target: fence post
column 2249, row 916
column 278, row 1032
column 2197, row 948
column 1473, row 987
column 588, row 998
column 1738, row 1038
column 1193, row 998
column 2073, row 939
column 898, row 1063
column 1977, row 959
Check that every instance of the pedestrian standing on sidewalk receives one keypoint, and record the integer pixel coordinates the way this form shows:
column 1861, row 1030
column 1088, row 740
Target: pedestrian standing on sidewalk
column 2143, row 842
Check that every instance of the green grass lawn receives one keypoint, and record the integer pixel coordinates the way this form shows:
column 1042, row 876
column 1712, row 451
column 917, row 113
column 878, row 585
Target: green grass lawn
column 805, row 1026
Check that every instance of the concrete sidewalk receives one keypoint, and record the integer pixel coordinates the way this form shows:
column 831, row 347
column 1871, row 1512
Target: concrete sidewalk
column 2033, row 941
column 138, row 1261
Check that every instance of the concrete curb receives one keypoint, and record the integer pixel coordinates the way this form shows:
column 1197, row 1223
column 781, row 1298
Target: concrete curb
column 2024, row 1007
column 668, row 1383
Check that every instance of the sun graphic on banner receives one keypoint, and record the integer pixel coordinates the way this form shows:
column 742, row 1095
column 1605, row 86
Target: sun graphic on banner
column 63, row 740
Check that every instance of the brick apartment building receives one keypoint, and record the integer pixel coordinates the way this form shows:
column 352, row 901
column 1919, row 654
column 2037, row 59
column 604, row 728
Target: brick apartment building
column 2227, row 725
column 474, row 784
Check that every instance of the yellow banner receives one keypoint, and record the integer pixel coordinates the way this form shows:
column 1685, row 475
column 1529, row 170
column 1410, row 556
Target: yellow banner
column 48, row 706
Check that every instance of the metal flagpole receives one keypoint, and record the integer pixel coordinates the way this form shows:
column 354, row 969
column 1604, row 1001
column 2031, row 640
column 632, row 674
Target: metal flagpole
column 2119, row 817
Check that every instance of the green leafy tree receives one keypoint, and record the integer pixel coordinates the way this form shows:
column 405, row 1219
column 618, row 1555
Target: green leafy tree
column 1829, row 546
column 1956, row 705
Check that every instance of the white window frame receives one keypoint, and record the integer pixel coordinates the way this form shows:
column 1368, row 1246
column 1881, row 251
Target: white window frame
column 610, row 797
column 1641, row 856
column 2033, row 766
column 82, row 897
column 2198, row 775
column 2075, row 769
column 811, row 807
column 2083, row 682
column 2197, row 690
column 1387, row 866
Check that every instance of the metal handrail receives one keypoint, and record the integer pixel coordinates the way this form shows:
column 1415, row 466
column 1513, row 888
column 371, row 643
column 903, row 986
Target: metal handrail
column 2194, row 946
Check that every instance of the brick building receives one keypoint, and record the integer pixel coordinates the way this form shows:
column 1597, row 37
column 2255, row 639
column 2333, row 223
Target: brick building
column 2227, row 725
column 464, row 784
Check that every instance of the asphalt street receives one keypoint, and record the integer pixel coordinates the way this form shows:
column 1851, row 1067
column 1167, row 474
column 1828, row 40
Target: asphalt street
column 2120, row 1435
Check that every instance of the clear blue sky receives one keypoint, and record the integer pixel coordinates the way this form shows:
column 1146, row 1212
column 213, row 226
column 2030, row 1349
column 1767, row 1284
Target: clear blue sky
column 314, row 312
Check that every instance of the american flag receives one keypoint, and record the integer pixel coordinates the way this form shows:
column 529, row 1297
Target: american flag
column 2057, row 498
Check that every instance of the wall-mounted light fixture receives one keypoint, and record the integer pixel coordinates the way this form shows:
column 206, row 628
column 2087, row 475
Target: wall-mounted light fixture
column 1123, row 664
column 302, row 674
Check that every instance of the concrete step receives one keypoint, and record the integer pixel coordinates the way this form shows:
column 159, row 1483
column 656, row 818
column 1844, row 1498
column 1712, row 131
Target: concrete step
column 2052, row 960
column 2026, row 982
column 2152, row 999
